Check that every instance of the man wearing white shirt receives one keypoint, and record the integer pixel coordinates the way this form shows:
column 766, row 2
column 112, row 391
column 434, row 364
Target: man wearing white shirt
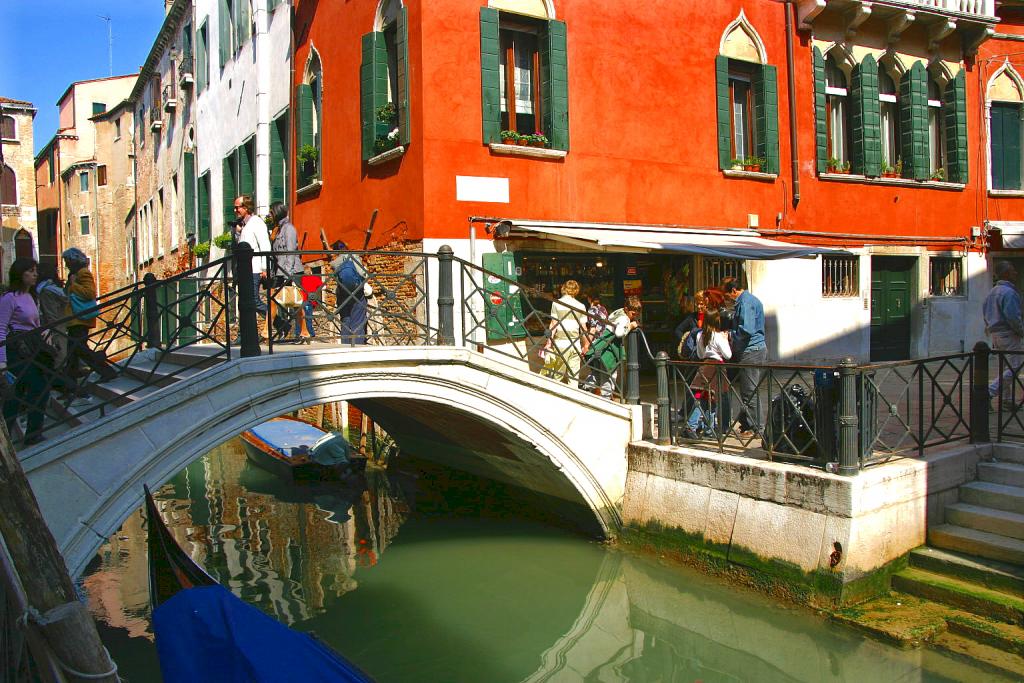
column 252, row 230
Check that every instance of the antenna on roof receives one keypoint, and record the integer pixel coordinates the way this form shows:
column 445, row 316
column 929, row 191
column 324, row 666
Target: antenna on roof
column 110, row 42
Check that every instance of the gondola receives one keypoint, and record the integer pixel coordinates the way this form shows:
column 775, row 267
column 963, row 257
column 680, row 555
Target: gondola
column 296, row 449
column 205, row 633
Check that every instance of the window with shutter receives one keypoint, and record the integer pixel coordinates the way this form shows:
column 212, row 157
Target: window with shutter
column 243, row 23
column 865, row 131
column 914, row 122
column 8, row 129
column 954, row 111
column 889, row 115
column 746, row 92
column 278, row 158
column 820, row 112
column 225, row 22
column 524, row 77
column 228, row 190
column 247, row 168
column 936, row 132
column 203, row 207
column 836, row 115
column 189, row 191
column 308, row 159
column 202, row 57
column 384, row 82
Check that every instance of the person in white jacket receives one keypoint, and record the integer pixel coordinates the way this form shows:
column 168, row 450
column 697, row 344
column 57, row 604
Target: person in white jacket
column 252, row 230
column 710, row 383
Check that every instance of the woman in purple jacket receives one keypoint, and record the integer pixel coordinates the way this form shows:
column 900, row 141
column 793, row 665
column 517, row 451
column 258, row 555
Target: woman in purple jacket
column 19, row 315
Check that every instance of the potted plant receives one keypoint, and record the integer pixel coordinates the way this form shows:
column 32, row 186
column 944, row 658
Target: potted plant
column 201, row 250
column 834, row 165
column 736, row 165
column 509, row 137
column 388, row 114
column 939, row 174
column 385, row 143
column 223, row 240
column 898, row 168
column 888, row 171
column 306, row 157
column 753, row 164
column 538, row 139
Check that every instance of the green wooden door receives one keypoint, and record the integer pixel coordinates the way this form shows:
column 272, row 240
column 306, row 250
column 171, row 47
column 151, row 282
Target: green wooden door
column 891, row 287
column 504, row 308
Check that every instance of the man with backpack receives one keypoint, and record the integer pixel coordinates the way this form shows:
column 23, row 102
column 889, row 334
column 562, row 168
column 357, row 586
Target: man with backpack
column 350, row 294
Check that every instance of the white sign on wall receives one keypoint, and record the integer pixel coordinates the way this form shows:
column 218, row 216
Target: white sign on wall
column 470, row 188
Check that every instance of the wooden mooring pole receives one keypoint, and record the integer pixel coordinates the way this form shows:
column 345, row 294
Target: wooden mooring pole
column 53, row 604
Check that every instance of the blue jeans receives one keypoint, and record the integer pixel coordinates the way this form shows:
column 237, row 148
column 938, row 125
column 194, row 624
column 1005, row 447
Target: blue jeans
column 261, row 305
column 702, row 418
column 307, row 310
column 749, row 416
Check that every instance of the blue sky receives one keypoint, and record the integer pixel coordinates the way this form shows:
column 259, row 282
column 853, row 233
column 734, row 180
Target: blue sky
column 45, row 45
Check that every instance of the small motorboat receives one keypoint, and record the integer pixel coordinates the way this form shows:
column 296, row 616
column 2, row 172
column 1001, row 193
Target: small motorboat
column 296, row 449
column 205, row 633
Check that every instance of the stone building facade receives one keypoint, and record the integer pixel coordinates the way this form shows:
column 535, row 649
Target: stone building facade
column 18, row 233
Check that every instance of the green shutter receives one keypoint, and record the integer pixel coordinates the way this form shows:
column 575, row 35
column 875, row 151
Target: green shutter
column 820, row 124
column 913, row 105
column 504, row 311
column 203, row 197
column 224, row 23
column 304, row 129
column 189, row 178
column 373, row 87
column 201, row 57
column 1005, row 125
column 766, row 115
column 247, row 168
column 866, row 119
column 402, row 47
column 554, row 85
column 277, row 160
column 954, row 112
column 228, row 189
column 490, row 75
column 722, row 109
column 243, row 22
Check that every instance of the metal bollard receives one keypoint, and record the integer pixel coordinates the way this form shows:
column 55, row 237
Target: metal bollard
column 849, row 421
column 979, row 394
column 632, row 390
column 152, row 311
column 445, row 297
column 664, row 400
column 245, row 290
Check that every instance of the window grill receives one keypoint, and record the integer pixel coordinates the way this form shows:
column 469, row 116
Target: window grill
column 945, row 276
column 840, row 276
column 714, row 270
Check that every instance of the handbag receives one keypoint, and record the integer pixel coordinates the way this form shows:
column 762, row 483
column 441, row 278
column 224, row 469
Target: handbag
column 290, row 296
column 30, row 346
column 84, row 309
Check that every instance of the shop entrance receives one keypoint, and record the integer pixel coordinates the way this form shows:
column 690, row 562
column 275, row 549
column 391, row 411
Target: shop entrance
column 891, row 287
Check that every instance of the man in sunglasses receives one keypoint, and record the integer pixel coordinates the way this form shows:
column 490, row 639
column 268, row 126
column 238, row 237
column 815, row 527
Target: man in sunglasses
column 251, row 229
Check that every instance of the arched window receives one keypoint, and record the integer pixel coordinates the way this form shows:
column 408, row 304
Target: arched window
column 8, row 128
column 747, row 100
column 836, row 111
column 8, row 186
column 23, row 244
column 308, row 131
column 889, row 111
column 384, row 81
column 936, row 131
column 1005, row 96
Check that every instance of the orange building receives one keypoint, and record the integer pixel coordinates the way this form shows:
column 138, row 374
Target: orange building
column 677, row 137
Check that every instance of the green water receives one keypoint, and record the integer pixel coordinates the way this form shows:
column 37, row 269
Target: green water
column 415, row 580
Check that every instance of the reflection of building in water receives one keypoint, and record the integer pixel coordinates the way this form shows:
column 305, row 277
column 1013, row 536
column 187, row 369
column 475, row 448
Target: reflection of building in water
column 283, row 547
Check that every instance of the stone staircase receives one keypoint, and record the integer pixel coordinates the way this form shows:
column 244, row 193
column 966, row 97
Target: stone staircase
column 974, row 566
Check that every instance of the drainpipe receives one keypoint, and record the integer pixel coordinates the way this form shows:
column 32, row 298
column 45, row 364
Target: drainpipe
column 790, row 8
column 291, row 110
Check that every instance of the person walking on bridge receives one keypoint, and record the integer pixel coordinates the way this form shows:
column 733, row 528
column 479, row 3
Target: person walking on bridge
column 1002, row 312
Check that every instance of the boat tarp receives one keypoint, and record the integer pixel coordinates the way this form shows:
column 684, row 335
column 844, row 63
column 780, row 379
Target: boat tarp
column 285, row 435
column 724, row 243
column 332, row 449
column 208, row 634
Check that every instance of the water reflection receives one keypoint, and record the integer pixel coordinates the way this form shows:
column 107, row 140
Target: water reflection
column 443, row 580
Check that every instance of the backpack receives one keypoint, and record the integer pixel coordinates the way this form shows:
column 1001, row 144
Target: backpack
column 350, row 280
column 687, row 349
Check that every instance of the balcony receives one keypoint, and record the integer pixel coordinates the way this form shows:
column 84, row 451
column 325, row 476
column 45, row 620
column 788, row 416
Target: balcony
column 170, row 98
column 973, row 20
column 185, row 72
column 156, row 121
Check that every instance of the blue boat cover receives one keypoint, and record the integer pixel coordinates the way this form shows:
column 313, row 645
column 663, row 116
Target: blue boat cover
column 287, row 434
column 208, row 634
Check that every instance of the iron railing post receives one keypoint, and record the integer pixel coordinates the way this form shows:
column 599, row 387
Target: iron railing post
column 445, row 296
column 632, row 392
column 979, row 394
column 849, row 421
column 664, row 400
column 245, row 293
column 152, row 311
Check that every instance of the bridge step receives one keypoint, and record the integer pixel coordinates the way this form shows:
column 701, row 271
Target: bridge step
column 1010, row 474
column 159, row 373
column 198, row 356
column 997, row 496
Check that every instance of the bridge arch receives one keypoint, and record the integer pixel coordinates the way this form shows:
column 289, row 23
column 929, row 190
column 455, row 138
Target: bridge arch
column 541, row 435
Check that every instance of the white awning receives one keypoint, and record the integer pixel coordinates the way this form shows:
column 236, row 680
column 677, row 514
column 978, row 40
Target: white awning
column 1013, row 233
column 725, row 243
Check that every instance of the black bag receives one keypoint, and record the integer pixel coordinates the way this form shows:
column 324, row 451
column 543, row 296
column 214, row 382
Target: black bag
column 30, row 346
column 791, row 423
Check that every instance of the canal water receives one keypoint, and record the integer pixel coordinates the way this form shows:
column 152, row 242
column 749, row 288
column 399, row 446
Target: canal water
column 432, row 577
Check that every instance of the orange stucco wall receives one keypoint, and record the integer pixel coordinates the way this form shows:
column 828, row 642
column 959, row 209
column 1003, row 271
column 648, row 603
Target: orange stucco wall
column 642, row 128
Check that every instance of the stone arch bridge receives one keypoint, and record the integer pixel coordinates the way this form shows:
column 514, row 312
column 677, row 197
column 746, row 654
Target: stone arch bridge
column 519, row 427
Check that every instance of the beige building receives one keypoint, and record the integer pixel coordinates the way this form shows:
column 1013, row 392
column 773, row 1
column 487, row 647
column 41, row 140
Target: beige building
column 18, row 234
column 73, row 177
column 165, row 141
